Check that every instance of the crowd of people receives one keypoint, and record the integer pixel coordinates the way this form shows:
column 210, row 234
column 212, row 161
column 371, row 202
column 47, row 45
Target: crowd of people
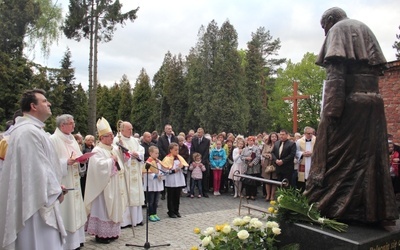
column 65, row 184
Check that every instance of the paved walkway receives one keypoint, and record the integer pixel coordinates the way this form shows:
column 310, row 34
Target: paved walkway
column 196, row 212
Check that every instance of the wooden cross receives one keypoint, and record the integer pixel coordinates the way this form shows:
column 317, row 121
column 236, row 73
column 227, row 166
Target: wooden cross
column 295, row 97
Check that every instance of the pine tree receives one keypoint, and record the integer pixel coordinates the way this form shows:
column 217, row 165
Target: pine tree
column 95, row 20
column 144, row 104
column 80, row 112
column 260, row 69
column 125, row 105
column 65, row 78
column 229, row 106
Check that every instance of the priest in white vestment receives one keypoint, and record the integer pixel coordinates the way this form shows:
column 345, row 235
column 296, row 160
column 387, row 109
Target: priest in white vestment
column 72, row 209
column 30, row 183
column 133, row 164
column 105, row 193
column 304, row 150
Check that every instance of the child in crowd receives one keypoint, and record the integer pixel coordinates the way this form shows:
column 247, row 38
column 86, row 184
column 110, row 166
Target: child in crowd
column 217, row 162
column 174, row 181
column 237, row 167
column 197, row 169
column 155, row 181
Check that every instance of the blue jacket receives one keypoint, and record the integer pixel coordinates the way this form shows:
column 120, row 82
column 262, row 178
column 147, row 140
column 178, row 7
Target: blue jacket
column 217, row 158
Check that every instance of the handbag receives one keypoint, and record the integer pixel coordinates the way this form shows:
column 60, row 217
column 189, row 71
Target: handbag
column 270, row 169
column 248, row 182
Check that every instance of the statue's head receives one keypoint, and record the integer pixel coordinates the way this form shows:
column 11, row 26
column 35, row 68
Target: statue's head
column 332, row 16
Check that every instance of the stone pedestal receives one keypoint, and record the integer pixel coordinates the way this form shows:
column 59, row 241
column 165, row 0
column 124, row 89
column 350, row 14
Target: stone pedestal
column 357, row 237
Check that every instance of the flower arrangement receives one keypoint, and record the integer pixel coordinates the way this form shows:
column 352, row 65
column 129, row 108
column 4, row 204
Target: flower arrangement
column 292, row 206
column 245, row 233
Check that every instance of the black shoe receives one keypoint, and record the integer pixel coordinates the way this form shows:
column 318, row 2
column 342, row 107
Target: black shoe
column 162, row 197
column 140, row 224
column 103, row 240
column 171, row 215
column 178, row 215
column 205, row 195
column 126, row 226
column 82, row 244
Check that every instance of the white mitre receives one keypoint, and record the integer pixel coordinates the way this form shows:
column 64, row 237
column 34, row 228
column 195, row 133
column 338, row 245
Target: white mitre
column 103, row 127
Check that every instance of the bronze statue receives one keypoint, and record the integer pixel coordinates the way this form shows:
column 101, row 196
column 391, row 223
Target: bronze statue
column 349, row 175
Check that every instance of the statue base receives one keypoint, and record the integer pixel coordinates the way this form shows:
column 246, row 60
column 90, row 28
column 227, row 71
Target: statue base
column 357, row 237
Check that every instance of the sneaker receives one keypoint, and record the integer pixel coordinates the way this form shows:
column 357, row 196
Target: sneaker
column 157, row 218
column 184, row 191
column 191, row 196
column 152, row 218
column 199, row 196
column 215, row 193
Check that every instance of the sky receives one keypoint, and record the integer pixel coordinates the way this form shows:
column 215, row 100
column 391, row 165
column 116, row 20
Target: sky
column 173, row 26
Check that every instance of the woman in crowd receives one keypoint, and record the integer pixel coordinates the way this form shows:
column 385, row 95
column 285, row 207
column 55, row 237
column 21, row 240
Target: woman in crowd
column 87, row 147
column 238, row 166
column 251, row 156
column 266, row 161
column 185, row 153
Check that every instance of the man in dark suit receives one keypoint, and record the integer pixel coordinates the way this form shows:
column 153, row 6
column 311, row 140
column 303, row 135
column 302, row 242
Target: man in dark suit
column 163, row 146
column 146, row 143
column 165, row 140
column 283, row 156
column 201, row 145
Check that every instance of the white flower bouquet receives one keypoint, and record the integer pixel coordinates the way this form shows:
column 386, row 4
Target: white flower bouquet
column 292, row 206
column 245, row 233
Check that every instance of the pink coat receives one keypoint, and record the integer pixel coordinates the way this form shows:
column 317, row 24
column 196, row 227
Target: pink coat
column 197, row 169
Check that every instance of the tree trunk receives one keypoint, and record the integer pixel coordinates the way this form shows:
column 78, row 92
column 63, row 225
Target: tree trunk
column 92, row 88
column 96, row 31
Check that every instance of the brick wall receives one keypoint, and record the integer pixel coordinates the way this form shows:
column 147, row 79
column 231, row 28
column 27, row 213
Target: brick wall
column 389, row 86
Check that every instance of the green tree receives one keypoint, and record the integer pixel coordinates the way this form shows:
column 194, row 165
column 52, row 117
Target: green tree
column 80, row 112
column 65, row 79
column 310, row 78
column 396, row 46
column 15, row 76
column 159, row 79
column 260, row 69
column 207, row 48
column 20, row 20
column 229, row 110
column 125, row 105
column 31, row 20
column 105, row 108
column 143, row 116
column 95, row 20
column 175, row 91
column 194, row 97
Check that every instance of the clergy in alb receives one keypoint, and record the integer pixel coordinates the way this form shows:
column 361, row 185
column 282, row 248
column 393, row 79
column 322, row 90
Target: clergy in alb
column 105, row 193
column 133, row 162
column 349, row 177
column 72, row 209
column 30, row 183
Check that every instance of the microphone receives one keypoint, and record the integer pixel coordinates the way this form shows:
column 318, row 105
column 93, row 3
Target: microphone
column 147, row 166
column 125, row 150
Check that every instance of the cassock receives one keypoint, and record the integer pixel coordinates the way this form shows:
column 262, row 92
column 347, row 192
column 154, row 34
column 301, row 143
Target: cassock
column 72, row 208
column 105, row 193
column 133, row 176
column 30, row 185
column 349, row 176
column 303, row 145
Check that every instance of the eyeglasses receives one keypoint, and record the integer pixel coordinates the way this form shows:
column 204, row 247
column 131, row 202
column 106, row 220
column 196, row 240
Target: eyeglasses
column 69, row 123
column 309, row 133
